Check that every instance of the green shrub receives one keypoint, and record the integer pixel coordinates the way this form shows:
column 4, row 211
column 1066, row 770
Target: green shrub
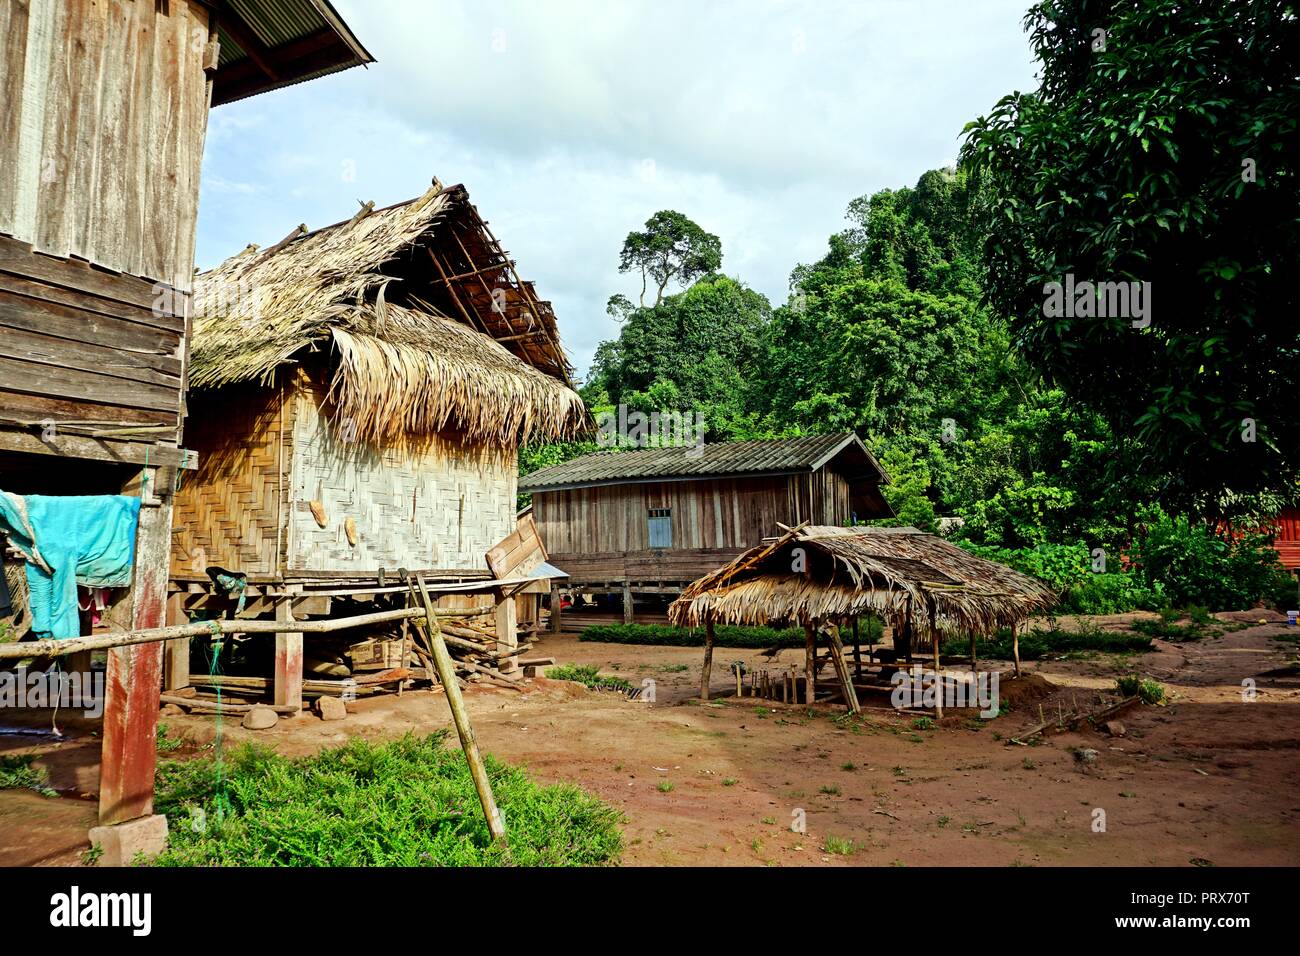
column 17, row 773
column 1040, row 643
column 1150, row 691
column 1194, row 565
column 590, row 675
column 410, row 802
column 662, row 634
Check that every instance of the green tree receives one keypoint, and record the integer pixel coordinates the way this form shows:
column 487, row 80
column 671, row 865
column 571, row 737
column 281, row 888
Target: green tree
column 671, row 247
column 1161, row 148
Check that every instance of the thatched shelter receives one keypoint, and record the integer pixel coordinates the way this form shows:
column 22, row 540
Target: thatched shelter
column 358, row 395
column 822, row 576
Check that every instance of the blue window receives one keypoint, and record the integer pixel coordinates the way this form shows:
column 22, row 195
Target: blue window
column 661, row 528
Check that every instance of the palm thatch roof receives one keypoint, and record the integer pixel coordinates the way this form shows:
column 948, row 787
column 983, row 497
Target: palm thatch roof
column 896, row 573
column 428, row 324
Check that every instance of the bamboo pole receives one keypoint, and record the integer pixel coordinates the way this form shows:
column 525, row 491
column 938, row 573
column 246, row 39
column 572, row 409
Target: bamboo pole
column 447, row 674
column 842, row 669
column 708, row 659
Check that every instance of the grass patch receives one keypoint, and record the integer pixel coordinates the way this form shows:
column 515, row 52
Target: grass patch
column 1041, row 643
column 17, row 773
column 840, row 846
column 665, row 786
column 1150, row 691
column 589, row 675
column 409, row 802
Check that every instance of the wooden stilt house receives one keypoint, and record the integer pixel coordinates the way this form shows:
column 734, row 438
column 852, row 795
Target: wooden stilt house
column 358, row 394
column 652, row 520
column 101, row 139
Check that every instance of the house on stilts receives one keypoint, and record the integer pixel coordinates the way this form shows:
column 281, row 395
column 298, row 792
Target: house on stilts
column 105, row 116
column 652, row 520
column 358, row 394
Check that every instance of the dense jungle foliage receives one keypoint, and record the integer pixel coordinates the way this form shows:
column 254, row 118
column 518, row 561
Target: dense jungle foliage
column 1110, row 460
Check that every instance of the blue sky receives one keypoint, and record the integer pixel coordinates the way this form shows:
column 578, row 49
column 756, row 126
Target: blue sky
column 571, row 123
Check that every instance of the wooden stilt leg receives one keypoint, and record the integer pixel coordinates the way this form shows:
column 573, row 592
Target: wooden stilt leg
column 708, row 659
column 556, row 609
column 288, row 659
column 857, row 652
column 628, row 606
column 810, row 664
column 177, row 674
column 134, row 678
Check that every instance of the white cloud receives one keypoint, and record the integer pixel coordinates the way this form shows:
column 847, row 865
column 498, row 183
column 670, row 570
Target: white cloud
column 762, row 121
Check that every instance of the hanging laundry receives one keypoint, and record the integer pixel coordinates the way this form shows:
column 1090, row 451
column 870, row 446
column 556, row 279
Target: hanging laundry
column 87, row 540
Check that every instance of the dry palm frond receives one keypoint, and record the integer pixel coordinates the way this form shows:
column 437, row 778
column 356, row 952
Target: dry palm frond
column 896, row 573
column 401, row 370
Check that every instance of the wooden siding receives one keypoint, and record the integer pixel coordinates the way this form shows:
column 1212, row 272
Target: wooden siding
column 81, row 346
column 106, row 107
column 601, row 533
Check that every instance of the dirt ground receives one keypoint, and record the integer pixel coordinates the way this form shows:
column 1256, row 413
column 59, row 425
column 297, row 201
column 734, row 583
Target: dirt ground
column 1209, row 779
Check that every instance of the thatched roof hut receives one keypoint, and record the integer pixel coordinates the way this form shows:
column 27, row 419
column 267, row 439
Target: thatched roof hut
column 430, row 324
column 819, row 576
column 358, row 395
column 846, row 572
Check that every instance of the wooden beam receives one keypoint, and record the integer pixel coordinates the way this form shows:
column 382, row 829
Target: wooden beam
column 254, row 48
column 134, row 678
column 65, row 445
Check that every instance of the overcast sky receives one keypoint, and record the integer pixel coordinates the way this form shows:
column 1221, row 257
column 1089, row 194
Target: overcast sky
column 571, row 123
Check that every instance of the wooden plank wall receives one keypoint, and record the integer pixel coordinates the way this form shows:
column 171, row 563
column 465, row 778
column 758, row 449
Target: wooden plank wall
column 442, row 505
column 105, row 114
column 81, row 345
column 601, row 533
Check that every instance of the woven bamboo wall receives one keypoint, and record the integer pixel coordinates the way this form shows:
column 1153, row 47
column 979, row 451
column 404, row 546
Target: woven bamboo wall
column 229, row 511
column 441, row 505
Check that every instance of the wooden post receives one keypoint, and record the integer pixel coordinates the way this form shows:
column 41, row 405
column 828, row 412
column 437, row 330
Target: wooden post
column 857, row 652
column 554, row 621
column 974, row 666
column 810, row 663
column 842, row 669
column 178, row 651
column 507, row 628
column 447, row 675
column 134, row 678
column 708, row 658
column 938, row 672
column 740, row 687
column 1015, row 646
column 627, row 604
column 288, row 657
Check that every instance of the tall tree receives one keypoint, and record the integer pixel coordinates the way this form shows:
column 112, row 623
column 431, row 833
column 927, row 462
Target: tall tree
column 1161, row 149
column 671, row 247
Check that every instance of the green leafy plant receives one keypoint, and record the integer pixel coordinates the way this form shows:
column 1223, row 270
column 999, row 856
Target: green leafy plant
column 1150, row 691
column 18, row 773
column 409, row 802
column 589, row 675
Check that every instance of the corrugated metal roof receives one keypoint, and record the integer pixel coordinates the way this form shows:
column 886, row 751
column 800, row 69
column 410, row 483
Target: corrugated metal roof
column 782, row 456
column 279, row 25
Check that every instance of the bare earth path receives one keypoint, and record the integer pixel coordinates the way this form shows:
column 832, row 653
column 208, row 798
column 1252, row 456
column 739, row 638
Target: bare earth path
column 1210, row 778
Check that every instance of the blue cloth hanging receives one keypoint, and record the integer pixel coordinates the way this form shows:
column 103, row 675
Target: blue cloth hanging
column 87, row 540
